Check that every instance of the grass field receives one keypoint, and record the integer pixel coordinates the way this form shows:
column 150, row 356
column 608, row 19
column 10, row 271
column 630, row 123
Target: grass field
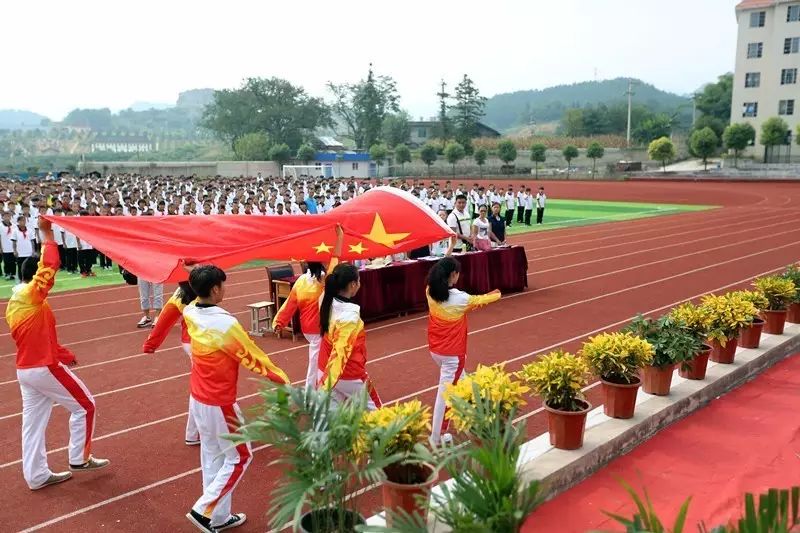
column 559, row 214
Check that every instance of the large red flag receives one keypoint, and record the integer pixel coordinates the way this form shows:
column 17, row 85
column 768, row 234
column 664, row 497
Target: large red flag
column 380, row 222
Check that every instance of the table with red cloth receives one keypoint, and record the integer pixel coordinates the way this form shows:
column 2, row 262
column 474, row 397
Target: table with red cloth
column 400, row 287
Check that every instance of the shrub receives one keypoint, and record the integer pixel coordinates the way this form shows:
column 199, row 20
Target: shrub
column 779, row 291
column 558, row 378
column 617, row 357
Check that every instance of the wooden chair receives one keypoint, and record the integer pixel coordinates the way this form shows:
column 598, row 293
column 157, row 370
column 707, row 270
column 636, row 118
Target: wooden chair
column 279, row 289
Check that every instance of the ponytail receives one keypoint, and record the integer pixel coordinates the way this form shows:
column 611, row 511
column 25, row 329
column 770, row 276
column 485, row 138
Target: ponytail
column 316, row 269
column 343, row 275
column 187, row 293
column 438, row 285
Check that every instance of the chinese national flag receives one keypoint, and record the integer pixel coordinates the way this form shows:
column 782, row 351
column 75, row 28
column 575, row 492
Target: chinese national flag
column 380, row 222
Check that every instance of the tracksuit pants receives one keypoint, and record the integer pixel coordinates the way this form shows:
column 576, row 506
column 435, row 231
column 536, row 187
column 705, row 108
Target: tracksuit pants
column 192, row 435
column 345, row 388
column 41, row 387
column 451, row 367
column 314, row 342
column 223, row 464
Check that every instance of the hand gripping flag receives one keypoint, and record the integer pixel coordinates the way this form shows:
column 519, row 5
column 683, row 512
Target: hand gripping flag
column 382, row 221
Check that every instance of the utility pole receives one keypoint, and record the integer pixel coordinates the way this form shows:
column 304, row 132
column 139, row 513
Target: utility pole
column 630, row 94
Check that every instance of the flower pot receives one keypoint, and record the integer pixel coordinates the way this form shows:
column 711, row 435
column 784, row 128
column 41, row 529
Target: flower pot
column 775, row 321
column 566, row 427
column 696, row 368
column 723, row 354
column 327, row 521
column 620, row 398
column 793, row 315
column 657, row 380
column 751, row 337
column 407, row 488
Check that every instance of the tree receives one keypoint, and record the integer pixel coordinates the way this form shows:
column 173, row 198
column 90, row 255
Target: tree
column 797, row 137
column 467, row 111
column 715, row 98
column 402, row 155
column 738, row 137
column 538, row 155
column 480, row 156
column 443, row 129
column 595, row 151
column 569, row 152
column 429, row 153
column 707, row 121
column 454, row 153
column 395, row 129
column 506, row 151
column 271, row 105
column 653, row 127
column 364, row 105
column 703, row 143
column 773, row 132
column 280, row 153
column 572, row 123
column 306, row 153
column 252, row 147
column 661, row 150
column 378, row 153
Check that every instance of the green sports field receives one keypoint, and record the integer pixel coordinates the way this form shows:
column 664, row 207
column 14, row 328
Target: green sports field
column 559, row 214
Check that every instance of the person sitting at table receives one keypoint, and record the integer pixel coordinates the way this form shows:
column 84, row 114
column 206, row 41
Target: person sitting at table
column 447, row 333
column 444, row 247
column 498, row 224
column 304, row 297
column 460, row 222
column 482, row 235
column 343, row 355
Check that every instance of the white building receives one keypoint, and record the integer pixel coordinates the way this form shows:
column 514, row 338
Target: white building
column 765, row 83
column 123, row 143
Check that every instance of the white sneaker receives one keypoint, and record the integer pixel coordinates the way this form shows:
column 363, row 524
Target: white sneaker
column 54, row 479
column 447, row 439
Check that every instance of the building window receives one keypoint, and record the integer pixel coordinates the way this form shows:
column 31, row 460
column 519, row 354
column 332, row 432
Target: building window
column 791, row 45
column 422, row 133
column 793, row 14
column 788, row 76
column 355, row 166
column 752, row 79
column 758, row 19
column 750, row 109
column 755, row 50
column 786, row 107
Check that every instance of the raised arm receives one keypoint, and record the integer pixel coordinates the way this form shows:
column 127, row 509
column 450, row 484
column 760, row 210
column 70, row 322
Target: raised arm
column 477, row 301
column 37, row 290
column 241, row 347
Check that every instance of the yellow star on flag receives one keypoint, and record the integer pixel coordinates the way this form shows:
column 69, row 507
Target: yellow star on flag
column 323, row 248
column 358, row 248
column 378, row 234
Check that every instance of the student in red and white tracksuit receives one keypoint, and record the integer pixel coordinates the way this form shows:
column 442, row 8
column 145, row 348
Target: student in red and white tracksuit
column 304, row 296
column 343, row 354
column 42, row 373
column 219, row 346
column 169, row 316
column 447, row 332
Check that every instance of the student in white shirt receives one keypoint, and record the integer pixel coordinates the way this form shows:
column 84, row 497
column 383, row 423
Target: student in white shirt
column 23, row 238
column 70, row 249
column 6, row 234
column 521, row 205
column 86, row 255
column 58, row 237
column 510, row 205
column 528, row 206
column 541, row 199
column 460, row 221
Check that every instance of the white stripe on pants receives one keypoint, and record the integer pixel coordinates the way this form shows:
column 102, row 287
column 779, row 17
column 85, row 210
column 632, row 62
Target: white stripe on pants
column 450, row 369
column 314, row 342
column 191, row 427
column 40, row 388
column 346, row 388
column 151, row 295
column 222, row 463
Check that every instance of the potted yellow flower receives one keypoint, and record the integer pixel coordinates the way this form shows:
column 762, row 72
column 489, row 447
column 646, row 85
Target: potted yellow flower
column 728, row 314
column 395, row 431
column 780, row 292
column 617, row 359
column 559, row 378
column 793, row 273
column 487, row 382
column 696, row 319
column 750, row 336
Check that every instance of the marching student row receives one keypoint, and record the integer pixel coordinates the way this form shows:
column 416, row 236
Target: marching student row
column 217, row 345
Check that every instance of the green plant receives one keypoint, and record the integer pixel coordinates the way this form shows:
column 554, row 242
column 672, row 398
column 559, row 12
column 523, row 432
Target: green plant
column 792, row 272
column 778, row 290
column 671, row 339
column 646, row 520
column 404, row 425
column 727, row 315
column 757, row 298
column 703, row 144
column 696, row 318
column 617, row 357
column 558, row 378
column 663, row 150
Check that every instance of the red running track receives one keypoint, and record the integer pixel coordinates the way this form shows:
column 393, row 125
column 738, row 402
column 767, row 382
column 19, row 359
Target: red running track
column 746, row 441
column 583, row 280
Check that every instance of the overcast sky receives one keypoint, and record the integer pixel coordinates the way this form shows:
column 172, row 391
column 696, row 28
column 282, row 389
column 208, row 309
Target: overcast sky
column 57, row 55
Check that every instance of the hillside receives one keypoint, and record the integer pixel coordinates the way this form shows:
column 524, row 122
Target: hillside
column 14, row 119
column 508, row 110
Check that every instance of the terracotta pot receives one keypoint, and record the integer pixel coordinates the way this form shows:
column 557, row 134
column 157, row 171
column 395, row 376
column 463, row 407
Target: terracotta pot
column 751, row 337
column 696, row 368
column 657, row 380
column 793, row 315
column 723, row 354
column 620, row 398
column 327, row 520
column 567, row 427
column 775, row 321
column 407, row 488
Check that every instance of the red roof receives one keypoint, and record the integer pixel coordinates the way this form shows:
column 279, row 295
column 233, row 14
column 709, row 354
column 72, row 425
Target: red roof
column 755, row 4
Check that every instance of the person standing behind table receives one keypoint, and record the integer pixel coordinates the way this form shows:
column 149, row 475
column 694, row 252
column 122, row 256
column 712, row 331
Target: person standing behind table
column 42, row 375
column 304, row 296
column 521, row 205
column 6, row 234
column 447, row 333
column 219, row 346
column 510, row 203
column 529, row 201
column 22, row 239
column 498, row 224
column 541, row 200
column 460, row 221
column 343, row 353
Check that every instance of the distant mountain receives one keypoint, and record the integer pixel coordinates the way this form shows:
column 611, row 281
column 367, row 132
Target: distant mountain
column 195, row 98
column 509, row 110
column 145, row 106
column 15, row 119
